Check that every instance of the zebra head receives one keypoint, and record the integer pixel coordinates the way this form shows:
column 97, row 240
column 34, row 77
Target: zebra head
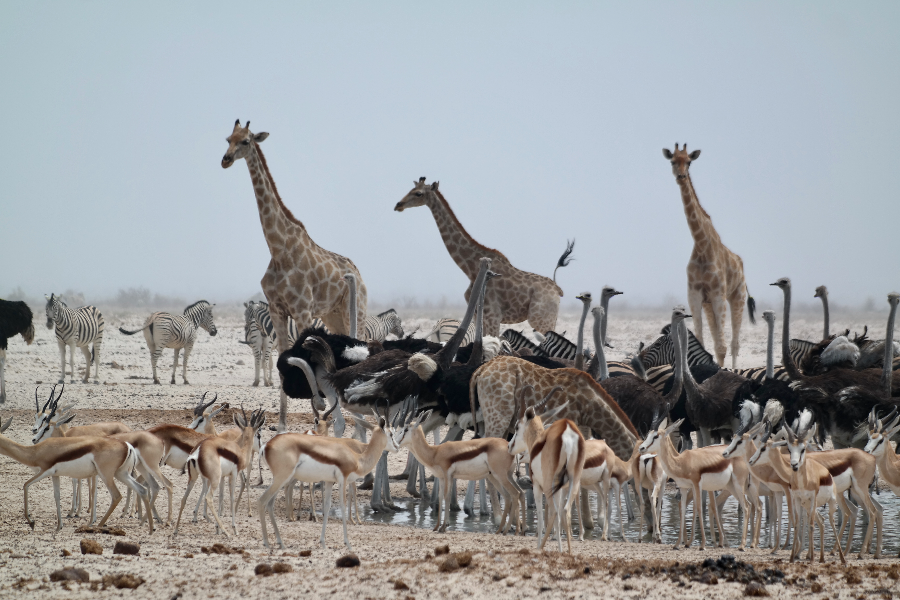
column 680, row 160
column 239, row 143
column 200, row 313
column 52, row 309
column 420, row 195
column 394, row 325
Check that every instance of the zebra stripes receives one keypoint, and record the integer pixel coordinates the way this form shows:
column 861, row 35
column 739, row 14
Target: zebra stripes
column 517, row 341
column 555, row 345
column 259, row 312
column 164, row 330
column 260, row 346
column 445, row 328
column 758, row 374
column 379, row 327
column 82, row 328
column 662, row 351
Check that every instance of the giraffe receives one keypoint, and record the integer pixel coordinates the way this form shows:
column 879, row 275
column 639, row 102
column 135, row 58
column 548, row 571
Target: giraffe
column 303, row 280
column 715, row 273
column 516, row 296
column 497, row 383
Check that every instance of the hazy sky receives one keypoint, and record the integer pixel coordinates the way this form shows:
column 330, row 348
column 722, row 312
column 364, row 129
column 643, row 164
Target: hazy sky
column 542, row 121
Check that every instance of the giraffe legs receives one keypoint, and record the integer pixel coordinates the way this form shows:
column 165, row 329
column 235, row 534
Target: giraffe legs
column 736, row 304
column 717, row 328
column 695, row 303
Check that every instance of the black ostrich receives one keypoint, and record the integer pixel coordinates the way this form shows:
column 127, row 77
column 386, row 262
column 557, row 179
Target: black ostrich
column 637, row 398
column 775, row 395
column 841, row 398
column 384, row 378
column 15, row 319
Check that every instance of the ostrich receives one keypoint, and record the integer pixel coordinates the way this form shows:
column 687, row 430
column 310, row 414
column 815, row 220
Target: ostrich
column 776, row 395
column 638, row 399
column 822, row 292
column 841, row 397
column 384, row 377
column 605, row 296
column 15, row 319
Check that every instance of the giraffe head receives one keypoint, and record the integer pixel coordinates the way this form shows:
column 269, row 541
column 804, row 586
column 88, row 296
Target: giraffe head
column 680, row 160
column 239, row 143
column 418, row 196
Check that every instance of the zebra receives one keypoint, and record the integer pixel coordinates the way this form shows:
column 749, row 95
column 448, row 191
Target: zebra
column 662, row 351
column 518, row 341
column 164, row 330
column 378, row 328
column 82, row 327
column 445, row 328
column 261, row 347
column 758, row 374
column 555, row 345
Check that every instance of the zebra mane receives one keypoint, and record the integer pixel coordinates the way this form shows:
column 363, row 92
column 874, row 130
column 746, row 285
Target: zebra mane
column 387, row 312
column 197, row 303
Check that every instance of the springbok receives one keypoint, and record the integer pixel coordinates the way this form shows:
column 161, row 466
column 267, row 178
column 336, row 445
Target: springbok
column 556, row 456
column 149, row 448
column 42, row 416
column 695, row 471
column 215, row 458
column 879, row 446
column 313, row 458
column 811, row 486
column 78, row 458
column 469, row 460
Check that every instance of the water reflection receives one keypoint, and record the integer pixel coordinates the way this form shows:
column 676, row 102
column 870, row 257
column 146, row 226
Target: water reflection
column 419, row 514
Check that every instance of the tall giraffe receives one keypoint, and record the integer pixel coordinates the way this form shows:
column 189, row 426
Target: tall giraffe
column 516, row 296
column 715, row 273
column 303, row 280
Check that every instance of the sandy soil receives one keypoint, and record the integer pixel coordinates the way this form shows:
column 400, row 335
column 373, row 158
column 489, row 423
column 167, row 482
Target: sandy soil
column 397, row 561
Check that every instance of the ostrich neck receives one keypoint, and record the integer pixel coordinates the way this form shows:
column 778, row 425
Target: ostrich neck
column 600, row 355
column 786, row 360
column 770, row 350
column 604, row 302
column 677, row 385
column 354, row 324
column 448, row 352
column 463, row 248
column 887, row 367
column 579, row 346
column 825, row 311
column 690, row 385
column 279, row 226
column 477, row 355
column 696, row 216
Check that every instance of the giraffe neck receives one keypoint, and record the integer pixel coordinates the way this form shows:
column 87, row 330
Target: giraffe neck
column 278, row 224
column 463, row 248
column 698, row 221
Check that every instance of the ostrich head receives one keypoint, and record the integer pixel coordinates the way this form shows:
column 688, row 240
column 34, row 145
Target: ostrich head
column 821, row 292
column 783, row 283
column 680, row 160
column 420, row 195
column 239, row 143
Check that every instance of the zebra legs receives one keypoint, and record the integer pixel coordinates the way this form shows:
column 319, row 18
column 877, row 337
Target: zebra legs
column 62, row 361
column 175, row 365
column 184, row 362
column 87, row 364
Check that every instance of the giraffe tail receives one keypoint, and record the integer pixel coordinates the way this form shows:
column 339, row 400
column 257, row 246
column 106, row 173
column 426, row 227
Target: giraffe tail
column 751, row 307
column 566, row 258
